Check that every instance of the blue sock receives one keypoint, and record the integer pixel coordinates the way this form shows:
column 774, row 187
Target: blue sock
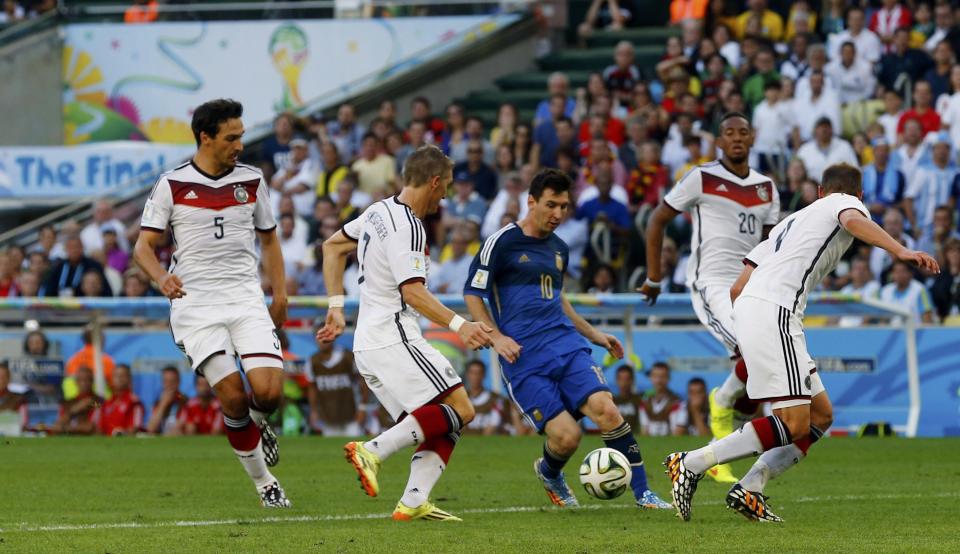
column 621, row 439
column 551, row 466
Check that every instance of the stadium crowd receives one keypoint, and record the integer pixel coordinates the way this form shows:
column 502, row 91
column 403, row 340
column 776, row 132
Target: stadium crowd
column 874, row 84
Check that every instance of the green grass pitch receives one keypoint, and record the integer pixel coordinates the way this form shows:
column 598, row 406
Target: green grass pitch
column 191, row 495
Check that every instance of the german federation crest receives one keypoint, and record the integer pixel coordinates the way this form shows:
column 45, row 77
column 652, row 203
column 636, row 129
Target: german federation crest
column 240, row 195
column 762, row 193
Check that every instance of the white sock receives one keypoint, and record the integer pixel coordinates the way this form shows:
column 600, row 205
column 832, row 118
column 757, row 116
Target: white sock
column 403, row 434
column 255, row 465
column 425, row 470
column 731, row 389
column 769, row 465
column 739, row 444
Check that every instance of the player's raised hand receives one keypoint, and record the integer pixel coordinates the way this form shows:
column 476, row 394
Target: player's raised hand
column 171, row 286
column 611, row 343
column 922, row 260
column 650, row 292
column 507, row 347
column 278, row 311
column 475, row 334
column 333, row 326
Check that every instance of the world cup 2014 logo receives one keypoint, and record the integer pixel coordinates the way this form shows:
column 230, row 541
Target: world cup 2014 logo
column 289, row 51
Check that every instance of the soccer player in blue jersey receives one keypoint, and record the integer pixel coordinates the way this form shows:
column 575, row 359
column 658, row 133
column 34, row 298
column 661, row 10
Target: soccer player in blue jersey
column 542, row 342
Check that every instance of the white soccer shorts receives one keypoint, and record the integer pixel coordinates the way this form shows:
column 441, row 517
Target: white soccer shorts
column 714, row 310
column 243, row 329
column 779, row 368
column 406, row 375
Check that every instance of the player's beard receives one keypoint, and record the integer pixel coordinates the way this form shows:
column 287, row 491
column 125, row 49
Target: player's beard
column 739, row 159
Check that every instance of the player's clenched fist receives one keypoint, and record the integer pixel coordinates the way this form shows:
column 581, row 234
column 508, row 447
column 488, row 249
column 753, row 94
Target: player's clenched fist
column 651, row 292
column 333, row 326
column 171, row 287
column 475, row 335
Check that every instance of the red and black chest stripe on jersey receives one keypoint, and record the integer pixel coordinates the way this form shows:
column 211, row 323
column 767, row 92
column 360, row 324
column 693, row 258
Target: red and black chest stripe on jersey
column 214, row 198
column 745, row 195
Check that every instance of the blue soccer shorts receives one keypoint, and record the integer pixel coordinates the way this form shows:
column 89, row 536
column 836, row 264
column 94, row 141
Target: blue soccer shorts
column 544, row 386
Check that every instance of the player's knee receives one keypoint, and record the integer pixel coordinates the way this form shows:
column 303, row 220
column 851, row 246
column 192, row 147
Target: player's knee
column 466, row 412
column 234, row 404
column 822, row 418
column 267, row 402
column 568, row 440
column 799, row 427
column 606, row 414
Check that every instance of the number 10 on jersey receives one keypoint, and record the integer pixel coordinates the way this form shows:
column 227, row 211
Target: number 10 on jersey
column 546, row 286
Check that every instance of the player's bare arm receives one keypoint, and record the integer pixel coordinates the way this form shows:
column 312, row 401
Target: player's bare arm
column 273, row 265
column 474, row 334
column 869, row 232
column 502, row 344
column 662, row 216
column 741, row 281
column 590, row 332
column 335, row 252
column 144, row 254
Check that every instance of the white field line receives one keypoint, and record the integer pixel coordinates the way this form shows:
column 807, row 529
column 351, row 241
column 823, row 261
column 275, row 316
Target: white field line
column 27, row 528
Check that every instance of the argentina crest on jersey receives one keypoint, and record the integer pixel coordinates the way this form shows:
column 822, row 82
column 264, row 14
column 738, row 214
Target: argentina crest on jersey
column 240, row 194
column 559, row 260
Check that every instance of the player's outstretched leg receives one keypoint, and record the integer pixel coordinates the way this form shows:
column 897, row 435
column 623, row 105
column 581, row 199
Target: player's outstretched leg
column 243, row 434
column 618, row 435
column 760, row 435
column 426, row 466
column 267, row 386
column 563, row 438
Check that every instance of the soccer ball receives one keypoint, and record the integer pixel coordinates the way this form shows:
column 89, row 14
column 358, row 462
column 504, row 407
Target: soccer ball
column 605, row 473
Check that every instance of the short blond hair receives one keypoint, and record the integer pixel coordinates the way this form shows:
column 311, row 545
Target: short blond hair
column 425, row 163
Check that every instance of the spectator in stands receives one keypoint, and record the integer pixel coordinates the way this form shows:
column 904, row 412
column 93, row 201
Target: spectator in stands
column 650, row 180
column 84, row 358
column 603, row 280
column 603, row 14
column 932, row 185
column 293, row 247
column 943, row 21
column 796, row 64
column 868, row 45
column 12, row 12
column 695, row 410
column 879, row 259
column 452, row 274
column 695, row 154
column 346, row 132
column 80, row 415
column 114, row 256
column 801, row 20
column 297, row 177
column 557, row 83
column 136, row 284
column 66, row 276
column 890, row 118
column 851, row 77
column 943, row 232
column 276, row 147
column 8, row 276
column 825, row 150
column 637, row 135
column 902, row 61
column 770, row 22
column 626, row 398
column 575, row 233
column 46, row 241
column 660, row 407
column 552, row 136
column 421, row 111
column 774, row 124
column 333, row 169
column 122, row 414
column 505, row 164
column 473, row 131
column 455, row 132
column 681, row 10
column 765, row 71
column 334, row 411
column 348, row 201
column 905, row 291
column 417, row 134
column 142, row 11
column 914, row 152
column 522, row 145
column 946, row 288
column 891, row 16
column 466, row 204
column 93, row 284
column 600, row 152
column 606, row 212
column 515, row 190
column 939, row 75
column 36, row 344
column 12, row 401
column 92, row 234
column 623, row 75
column 167, row 408
column 310, row 280
column 507, row 118
column 475, row 169
column 883, row 184
column 614, row 129
column 201, row 414
column 861, row 279
column 323, row 207
column 375, row 170
column 923, row 25
column 922, row 110
column 728, row 48
column 488, row 404
column 387, row 113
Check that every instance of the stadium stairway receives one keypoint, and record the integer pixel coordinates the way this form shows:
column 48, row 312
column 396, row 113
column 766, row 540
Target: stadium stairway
column 526, row 89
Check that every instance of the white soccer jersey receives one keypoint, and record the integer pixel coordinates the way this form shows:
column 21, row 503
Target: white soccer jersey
column 212, row 221
column 801, row 251
column 729, row 214
column 392, row 251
